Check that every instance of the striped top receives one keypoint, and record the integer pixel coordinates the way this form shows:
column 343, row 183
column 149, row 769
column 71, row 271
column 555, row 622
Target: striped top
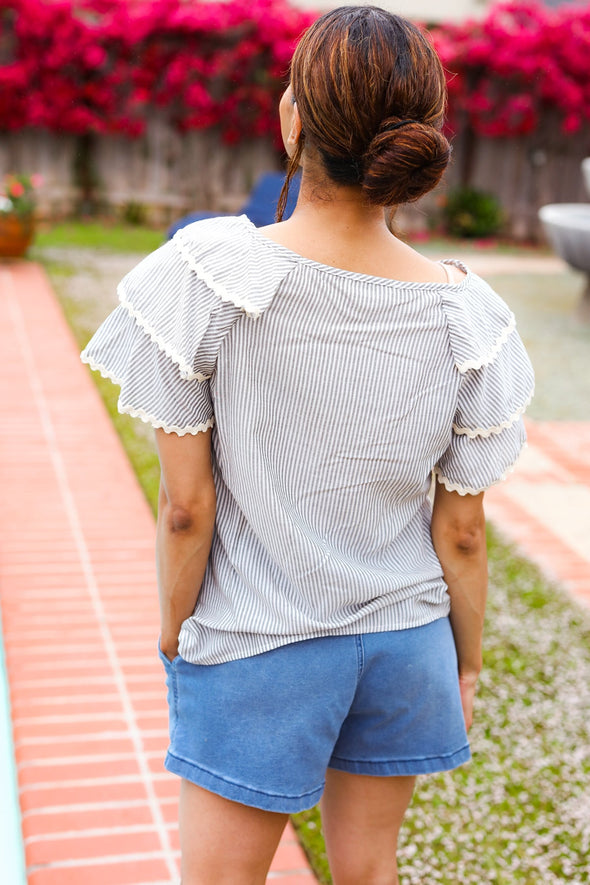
column 334, row 397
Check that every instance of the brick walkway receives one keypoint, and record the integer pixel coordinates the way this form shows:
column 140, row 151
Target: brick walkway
column 80, row 618
column 545, row 506
column 79, row 605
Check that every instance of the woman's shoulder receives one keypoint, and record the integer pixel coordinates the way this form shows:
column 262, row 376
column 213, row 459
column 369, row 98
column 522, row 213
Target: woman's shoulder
column 226, row 258
column 221, row 228
column 214, row 244
column 479, row 321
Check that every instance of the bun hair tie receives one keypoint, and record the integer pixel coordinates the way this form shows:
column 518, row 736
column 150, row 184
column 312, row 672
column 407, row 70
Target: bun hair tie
column 401, row 123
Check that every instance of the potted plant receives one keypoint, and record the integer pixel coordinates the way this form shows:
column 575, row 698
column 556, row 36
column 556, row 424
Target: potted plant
column 17, row 221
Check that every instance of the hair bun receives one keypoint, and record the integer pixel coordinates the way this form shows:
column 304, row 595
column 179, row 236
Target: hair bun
column 404, row 161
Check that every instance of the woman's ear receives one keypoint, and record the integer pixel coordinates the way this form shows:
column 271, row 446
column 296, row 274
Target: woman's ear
column 295, row 130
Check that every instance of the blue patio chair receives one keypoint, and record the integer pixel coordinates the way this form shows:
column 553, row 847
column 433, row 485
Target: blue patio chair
column 260, row 207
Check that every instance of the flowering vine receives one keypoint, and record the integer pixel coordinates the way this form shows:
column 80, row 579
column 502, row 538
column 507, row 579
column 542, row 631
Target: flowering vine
column 104, row 66
column 83, row 66
column 523, row 60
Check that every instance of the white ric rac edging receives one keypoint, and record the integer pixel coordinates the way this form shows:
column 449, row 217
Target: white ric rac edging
column 125, row 409
column 186, row 370
column 498, row 428
column 217, row 288
column 467, row 490
column 159, row 425
column 493, row 352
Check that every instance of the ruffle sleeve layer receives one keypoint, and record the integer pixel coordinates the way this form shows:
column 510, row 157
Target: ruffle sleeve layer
column 175, row 309
column 496, row 386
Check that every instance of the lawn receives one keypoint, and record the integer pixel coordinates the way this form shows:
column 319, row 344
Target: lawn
column 520, row 811
column 101, row 235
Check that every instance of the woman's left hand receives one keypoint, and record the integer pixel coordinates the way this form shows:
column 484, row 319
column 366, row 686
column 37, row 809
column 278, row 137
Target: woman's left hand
column 467, row 687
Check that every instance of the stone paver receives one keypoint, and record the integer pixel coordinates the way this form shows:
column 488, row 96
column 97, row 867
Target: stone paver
column 80, row 619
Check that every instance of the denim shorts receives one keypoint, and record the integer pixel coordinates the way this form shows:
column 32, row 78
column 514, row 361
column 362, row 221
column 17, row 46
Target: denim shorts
column 263, row 730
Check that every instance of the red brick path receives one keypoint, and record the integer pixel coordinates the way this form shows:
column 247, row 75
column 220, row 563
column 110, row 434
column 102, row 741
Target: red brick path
column 545, row 505
column 79, row 608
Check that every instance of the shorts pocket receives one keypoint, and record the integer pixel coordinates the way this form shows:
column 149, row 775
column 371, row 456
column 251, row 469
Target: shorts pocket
column 165, row 660
column 172, row 687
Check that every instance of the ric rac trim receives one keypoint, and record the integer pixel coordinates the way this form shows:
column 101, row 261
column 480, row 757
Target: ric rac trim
column 217, row 288
column 472, row 433
column 125, row 409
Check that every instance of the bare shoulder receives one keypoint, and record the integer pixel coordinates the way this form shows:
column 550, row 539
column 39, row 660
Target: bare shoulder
column 422, row 268
column 456, row 274
column 373, row 251
column 278, row 232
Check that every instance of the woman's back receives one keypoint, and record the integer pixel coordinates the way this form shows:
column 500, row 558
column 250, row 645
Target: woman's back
column 334, row 396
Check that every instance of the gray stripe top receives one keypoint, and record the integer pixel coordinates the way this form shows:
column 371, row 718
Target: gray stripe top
column 334, row 396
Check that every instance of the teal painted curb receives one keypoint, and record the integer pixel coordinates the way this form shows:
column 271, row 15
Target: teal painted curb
column 12, row 864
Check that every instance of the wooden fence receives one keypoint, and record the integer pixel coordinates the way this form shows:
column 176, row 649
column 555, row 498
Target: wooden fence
column 163, row 173
column 166, row 174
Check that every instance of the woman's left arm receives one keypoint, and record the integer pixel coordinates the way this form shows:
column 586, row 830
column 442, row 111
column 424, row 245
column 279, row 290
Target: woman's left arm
column 186, row 517
column 459, row 537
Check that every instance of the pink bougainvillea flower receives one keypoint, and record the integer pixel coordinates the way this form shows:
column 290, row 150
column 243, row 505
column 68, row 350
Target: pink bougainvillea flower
column 572, row 124
column 95, row 56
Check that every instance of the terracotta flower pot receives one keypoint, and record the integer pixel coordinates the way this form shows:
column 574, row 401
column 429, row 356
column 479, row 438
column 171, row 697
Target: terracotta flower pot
column 16, row 234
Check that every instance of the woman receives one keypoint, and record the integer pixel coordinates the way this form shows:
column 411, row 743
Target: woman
column 306, row 381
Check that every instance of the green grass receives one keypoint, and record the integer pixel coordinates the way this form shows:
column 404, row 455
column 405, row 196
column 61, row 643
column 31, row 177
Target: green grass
column 104, row 235
column 519, row 813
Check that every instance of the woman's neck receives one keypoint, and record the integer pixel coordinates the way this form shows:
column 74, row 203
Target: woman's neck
column 342, row 209
column 330, row 220
column 334, row 225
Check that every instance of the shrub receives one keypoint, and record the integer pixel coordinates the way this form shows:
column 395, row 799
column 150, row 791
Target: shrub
column 471, row 213
column 134, row 213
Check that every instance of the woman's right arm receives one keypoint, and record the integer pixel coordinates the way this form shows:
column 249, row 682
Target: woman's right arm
column 186, row 519
column 459, row 538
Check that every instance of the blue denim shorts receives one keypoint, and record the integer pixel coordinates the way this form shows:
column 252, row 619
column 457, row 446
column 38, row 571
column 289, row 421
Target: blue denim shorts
column 263, row 730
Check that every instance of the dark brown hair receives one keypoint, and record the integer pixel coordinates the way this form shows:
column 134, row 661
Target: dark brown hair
column 371, row 95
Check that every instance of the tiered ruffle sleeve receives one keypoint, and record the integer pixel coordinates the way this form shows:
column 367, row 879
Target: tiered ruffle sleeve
column 496, row 386
column 160, row 345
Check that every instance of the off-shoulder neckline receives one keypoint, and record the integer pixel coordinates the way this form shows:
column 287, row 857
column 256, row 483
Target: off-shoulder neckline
column 361, row 277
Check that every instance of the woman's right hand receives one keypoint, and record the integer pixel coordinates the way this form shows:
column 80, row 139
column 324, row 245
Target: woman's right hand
column 186, row 519
column 169, row 647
